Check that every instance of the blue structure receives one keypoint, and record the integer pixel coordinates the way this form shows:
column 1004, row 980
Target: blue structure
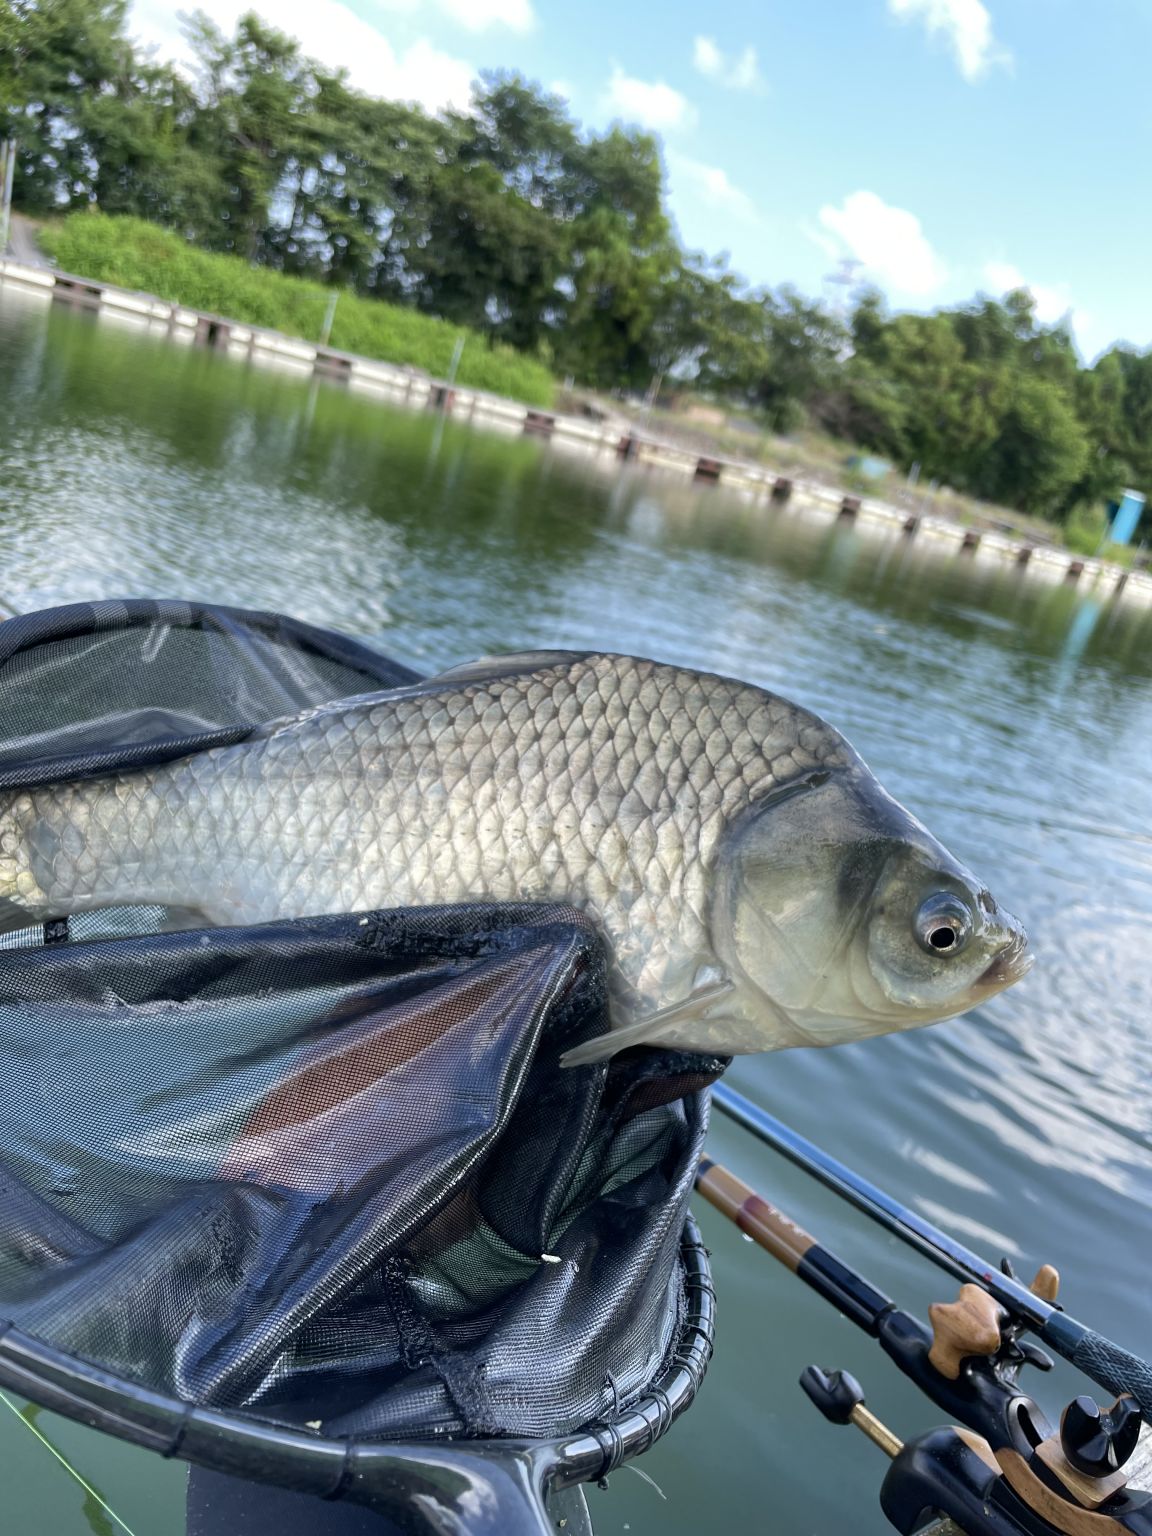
column 872, row 468
column 1125, row 517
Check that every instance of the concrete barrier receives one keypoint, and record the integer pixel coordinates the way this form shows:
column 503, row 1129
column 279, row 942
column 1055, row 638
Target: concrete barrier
column 593, row 435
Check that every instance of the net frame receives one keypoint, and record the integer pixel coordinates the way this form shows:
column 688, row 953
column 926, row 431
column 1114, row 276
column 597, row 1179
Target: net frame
column 424, row 1486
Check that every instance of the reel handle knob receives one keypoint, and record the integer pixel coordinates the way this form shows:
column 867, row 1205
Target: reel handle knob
column 840, row 1398
column 961, row 1328
column 1046, row 1284
column 1099, row 1441
column 835, row 1393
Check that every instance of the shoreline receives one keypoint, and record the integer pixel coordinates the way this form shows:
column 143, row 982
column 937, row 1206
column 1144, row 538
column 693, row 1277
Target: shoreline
column 601, row 437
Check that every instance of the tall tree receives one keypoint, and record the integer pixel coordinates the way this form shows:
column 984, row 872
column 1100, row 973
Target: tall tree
column 255, row 93
column 57, row 59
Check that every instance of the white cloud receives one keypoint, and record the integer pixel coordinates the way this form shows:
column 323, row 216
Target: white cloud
column 329, row 31
column 476, row 15
column 889, row 243
column 712, row 186
column 423, row 74
column 652, row 104
column 707, row 58
column 1094, row 334
column 740, row 73
column 1052, row 301
column 966, row 27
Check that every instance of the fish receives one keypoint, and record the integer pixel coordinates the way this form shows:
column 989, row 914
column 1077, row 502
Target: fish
column 756, row 886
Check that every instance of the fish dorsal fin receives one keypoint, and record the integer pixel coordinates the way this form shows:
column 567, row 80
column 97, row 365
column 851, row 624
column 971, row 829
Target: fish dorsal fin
column 486, row 669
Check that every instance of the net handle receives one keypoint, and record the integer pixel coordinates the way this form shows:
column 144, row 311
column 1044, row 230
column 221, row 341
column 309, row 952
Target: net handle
column 454, row 1490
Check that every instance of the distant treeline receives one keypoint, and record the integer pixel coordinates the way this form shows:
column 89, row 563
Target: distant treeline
column 513, row 221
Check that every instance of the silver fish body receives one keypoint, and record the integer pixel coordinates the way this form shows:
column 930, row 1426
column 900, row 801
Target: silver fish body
column 630, row 788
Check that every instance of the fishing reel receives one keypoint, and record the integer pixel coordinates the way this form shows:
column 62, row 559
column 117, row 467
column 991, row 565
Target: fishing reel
column 1003, row 1469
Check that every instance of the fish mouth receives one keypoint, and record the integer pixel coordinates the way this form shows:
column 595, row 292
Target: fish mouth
column 1013, row 962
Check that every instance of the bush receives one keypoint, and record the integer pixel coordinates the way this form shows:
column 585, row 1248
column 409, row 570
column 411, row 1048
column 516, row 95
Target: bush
column 141, row 256
column 1085, row 528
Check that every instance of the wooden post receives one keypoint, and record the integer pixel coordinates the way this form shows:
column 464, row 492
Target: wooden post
column 332, row 364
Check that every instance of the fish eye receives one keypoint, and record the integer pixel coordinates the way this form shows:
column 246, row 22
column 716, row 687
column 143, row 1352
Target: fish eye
column 943, row 925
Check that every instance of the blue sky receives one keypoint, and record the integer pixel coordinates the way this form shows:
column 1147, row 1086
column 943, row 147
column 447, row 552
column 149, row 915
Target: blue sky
column 949, row 146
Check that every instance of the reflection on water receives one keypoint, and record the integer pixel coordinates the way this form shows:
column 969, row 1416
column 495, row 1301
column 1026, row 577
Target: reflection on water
column 1013, row 715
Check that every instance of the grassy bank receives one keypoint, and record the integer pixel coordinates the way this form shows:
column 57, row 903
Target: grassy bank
column 138, row 255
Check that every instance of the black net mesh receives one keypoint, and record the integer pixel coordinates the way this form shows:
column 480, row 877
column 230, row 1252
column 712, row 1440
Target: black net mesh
column 94, row 687
column 328, row 1173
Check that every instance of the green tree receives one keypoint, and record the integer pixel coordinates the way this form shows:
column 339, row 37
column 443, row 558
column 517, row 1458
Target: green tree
column 140, row 156
column 57, row 60
column 804, row 346
column 255, row 94
column 486, row 257
column 620, row 260
column 1039, row 452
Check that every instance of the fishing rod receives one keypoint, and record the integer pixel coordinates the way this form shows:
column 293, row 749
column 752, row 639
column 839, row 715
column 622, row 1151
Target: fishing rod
column 1000, row 1468
column 1106, row 1363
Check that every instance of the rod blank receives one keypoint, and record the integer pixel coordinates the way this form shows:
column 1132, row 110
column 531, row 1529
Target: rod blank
column 1107, row 1364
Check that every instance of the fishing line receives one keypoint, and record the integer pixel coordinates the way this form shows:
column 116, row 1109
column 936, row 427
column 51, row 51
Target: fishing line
column 66, row 1464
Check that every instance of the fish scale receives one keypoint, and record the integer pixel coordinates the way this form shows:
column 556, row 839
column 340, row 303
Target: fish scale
column 739, row 918
column 601, row 780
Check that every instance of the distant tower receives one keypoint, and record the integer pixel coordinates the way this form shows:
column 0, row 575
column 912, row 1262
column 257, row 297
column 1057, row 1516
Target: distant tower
column 838, row 286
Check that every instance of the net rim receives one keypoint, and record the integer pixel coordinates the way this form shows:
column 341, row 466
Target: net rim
column 226, row 1441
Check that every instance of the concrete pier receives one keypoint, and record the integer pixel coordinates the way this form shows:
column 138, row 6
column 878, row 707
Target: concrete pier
column 411, row 386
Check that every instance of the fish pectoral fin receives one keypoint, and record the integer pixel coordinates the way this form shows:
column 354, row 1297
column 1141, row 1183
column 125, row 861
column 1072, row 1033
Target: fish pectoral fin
column 685, row 1025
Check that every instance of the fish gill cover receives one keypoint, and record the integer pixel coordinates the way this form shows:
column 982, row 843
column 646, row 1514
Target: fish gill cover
column 324, row 1172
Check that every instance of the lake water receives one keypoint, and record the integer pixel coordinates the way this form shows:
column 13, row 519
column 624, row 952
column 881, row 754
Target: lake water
column 1015, row 717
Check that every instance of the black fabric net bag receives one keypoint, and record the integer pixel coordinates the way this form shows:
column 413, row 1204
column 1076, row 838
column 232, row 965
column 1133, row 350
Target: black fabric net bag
column 313, row 1202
